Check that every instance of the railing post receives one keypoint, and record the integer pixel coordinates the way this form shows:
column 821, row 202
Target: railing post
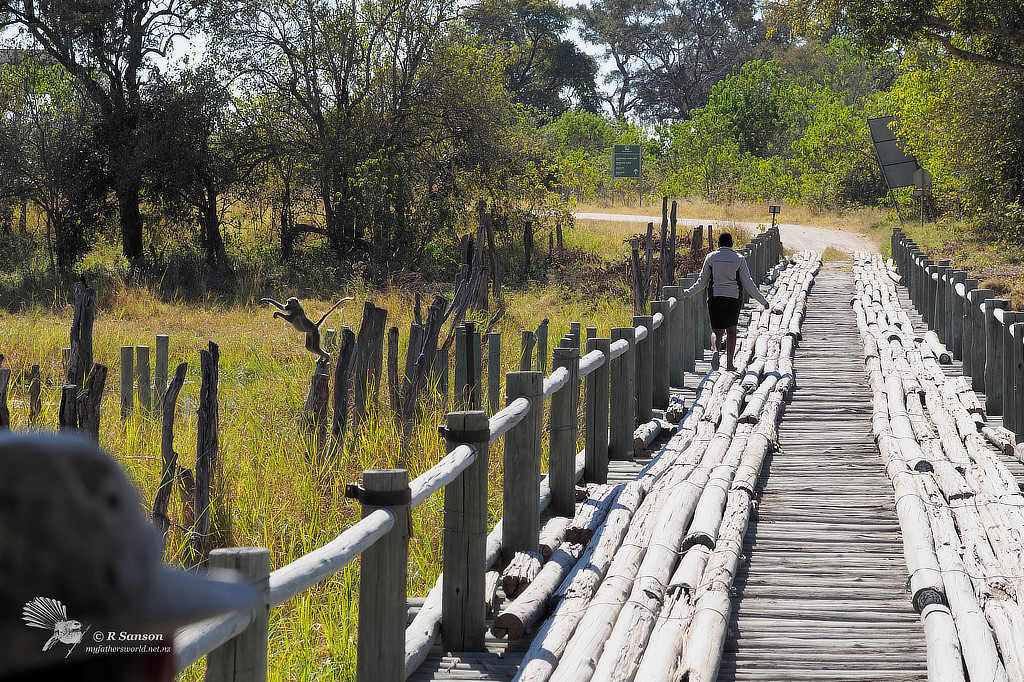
column 676, row 373
column 974, row 337
column 597, row 389
column 939, row 301
column 994, row 356
column 465, row 537
column 494, row 372
column 956, row 314
column 575, row 330
column 127, row 381
column 622, row 420
column 660, row 374
column 163, row 342
column 521, row 491
column 564, row 428
column 644, row 370
column 383, row 575
column 244, row 658
column 1018, row 379
column 952, row 278
column 689, row 322
column 1009, row 364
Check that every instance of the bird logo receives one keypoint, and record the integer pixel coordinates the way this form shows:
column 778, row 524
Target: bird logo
column 50, row 614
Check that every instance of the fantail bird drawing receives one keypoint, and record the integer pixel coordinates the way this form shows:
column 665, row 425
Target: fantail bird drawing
column 50, row 614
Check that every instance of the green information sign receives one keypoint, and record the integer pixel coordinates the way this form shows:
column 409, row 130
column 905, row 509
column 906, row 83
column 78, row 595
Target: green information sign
column 626, row 161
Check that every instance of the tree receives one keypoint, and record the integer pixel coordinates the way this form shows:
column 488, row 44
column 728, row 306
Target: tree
column 545, row 71
column 669, row 53
column 989, row 32
column 189, row 158
column 49, row 154
column 108, row 47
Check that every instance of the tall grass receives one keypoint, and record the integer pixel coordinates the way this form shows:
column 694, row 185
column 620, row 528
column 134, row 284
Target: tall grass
column 274, row 498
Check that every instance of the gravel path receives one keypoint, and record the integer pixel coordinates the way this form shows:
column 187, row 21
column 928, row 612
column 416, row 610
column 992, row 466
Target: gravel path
column 797, row 237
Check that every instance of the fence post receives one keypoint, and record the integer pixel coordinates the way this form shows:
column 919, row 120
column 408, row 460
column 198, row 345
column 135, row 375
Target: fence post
column 1008, row 357
column 974, row 337
column 5, row 412
column 689, row 342
column 597, row 390
column 526, row 357
column 660, row 373
column 575, row 329
column 564, row 427
column 163, row 342
column 952, row 277
column 465, row 537
column 994, row 356
column 494, row 371
column 959, row 303
column 676, row 374
column 644, row 370
column 383, row 573
column 127, row 381
column 542, row 346
column 622, row 419
column 939, row 301
column 142, row 377
column 244, row 658
column 1018, row 379
column 521, row 491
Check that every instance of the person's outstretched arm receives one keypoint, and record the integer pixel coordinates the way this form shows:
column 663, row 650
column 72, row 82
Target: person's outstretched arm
column 702, row 280
column 748, row 284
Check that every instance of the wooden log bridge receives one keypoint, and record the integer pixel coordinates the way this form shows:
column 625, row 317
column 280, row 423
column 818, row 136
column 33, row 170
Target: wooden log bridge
column 843, row 506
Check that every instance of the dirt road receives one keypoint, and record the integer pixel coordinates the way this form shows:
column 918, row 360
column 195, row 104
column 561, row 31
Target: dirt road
column 796, row 237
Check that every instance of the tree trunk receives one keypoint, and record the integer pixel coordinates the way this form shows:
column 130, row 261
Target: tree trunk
column 130, row 219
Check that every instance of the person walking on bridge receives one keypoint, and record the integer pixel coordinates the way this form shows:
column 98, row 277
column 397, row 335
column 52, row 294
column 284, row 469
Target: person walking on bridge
column 724, row 273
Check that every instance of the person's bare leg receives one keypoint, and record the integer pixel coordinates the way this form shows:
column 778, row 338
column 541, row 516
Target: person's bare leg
column 731, row 346
column 717, row 347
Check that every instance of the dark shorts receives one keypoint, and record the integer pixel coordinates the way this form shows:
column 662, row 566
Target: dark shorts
column 724, row 311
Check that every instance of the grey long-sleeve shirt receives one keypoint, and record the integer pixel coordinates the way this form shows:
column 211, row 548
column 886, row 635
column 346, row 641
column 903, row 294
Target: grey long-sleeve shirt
column 728, row 270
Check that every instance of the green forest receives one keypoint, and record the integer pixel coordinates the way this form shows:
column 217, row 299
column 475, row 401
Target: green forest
column 194, row 144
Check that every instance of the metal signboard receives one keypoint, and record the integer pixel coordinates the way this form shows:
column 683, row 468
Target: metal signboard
column 897, row 166
column 627, row 161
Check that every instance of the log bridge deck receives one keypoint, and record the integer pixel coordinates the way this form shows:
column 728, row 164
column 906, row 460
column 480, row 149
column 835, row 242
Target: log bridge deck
column 821, row 591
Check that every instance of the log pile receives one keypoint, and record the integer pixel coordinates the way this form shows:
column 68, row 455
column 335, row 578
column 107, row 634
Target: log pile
column 960, row 510
column 648, row 596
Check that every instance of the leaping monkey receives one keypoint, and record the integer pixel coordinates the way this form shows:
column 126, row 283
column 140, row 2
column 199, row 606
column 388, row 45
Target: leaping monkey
column 293, row 313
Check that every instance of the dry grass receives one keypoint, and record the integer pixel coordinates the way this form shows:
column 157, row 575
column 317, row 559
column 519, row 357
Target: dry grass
column 274, row 498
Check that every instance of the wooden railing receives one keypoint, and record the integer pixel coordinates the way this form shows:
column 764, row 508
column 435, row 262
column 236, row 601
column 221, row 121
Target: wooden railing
column 975, row 326
column 640, row 362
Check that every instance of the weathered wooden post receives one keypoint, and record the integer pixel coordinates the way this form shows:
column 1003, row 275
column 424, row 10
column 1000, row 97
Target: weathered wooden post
column 521, row 491
column 35, row 404
column 67, row 415
column 168, row 457
column 953, row 277
column 314, row 417
column 163, row 342
column 1018, row 379
column 956, row 321
column 974, row 337
column 494, row 372
column 564, row 428
column 542, row 346
column 207, row 446
column 994, row 355
column 368, row 361
column 927, row 304
column 5, row 413
column 689, row 339
column 644, row 368
column 1007, row 351
column 526, row 356
column 674, row 339
column 595, row 469
column 622, row 419
column 244, row 658
column 939, row 308
column 465, row 537
column 142, row 377
column 383, row 576
column 80, row 354
column 575, row 330
column 89, row 401
column 127, row 381
column 660, row 373
column 343, row 385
